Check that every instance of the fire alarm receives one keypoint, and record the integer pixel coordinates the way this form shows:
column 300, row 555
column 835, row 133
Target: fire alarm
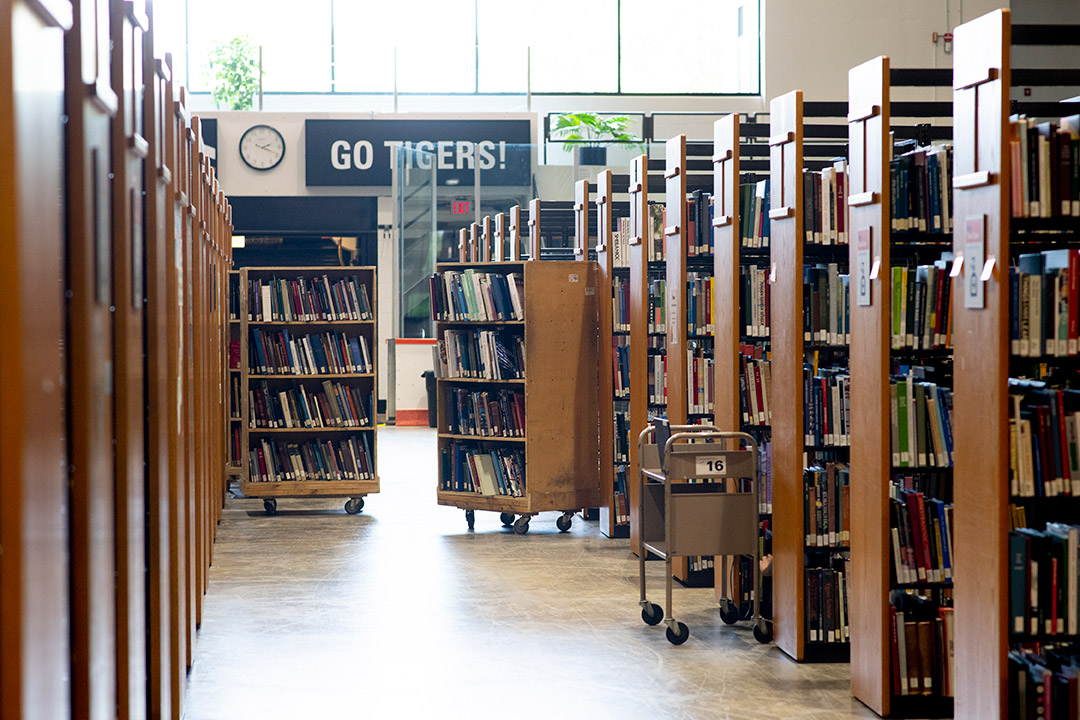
column 947, row 37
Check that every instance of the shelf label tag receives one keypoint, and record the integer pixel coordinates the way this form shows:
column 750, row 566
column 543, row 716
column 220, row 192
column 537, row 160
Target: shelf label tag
column 975, row 257
column 572, row 277
column 710, row 465
column 862, row 273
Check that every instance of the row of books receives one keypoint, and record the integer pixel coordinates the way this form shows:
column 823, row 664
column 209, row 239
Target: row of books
column 934, row 484
column 469, row 468
column 335, row 405
column 622, row 435
column 1045, row 161
column 657, row 384
column 700, row 381
column 700, row 563
column 921, row 414
column 921, row 307
column 622, row 501
column 1044, row 303
column 826, row 603
column 476, row 296
column 236, row 396
column 920, row 186
column 765, row 476
column 824, row 209
column 235, row 449
column 486, row 354
column 234, row 354
column 754, row 300
column 656, row 309
column 486, row 413
column 826, row 504
column 620, row 242
column 922, row 640
column 826, row 306
column 307, row 299
column 278, row 352
column 655, row 247
column 620, row 304
column 1044, row 685
column 699, row 227
column 699, row 303
column 921, row 529
column 234, row 295
column 826, row 407
column 755, row 380
column 273, row 460
column 620, row 356
column 754, row 214
column 1044, row 571
column 1044, row 443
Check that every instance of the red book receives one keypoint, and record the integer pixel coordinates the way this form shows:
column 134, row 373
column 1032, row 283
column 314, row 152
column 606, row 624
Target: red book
column 918, row 529
column 1063, row 441
column 925, row 537
column 1053, row 597
column 939, row 287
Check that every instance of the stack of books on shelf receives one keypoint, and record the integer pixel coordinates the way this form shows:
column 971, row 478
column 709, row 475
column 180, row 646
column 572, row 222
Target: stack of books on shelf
column 485, row 472
column 1045, row 299
column 657, row 386
column 620, row 242
column 274, row 460
column 699, row 303
column 620, row 356
column 826, row 515
column 334, row 406
column 1044, row 442
column 921, row 423
column 620, row 304
column 755, row 379
column 826, row 306
column 754, row 300
column 753, row 215
column 1045, row 163
column 699, row 229
column 657, row 306
column 700, row 380
column 655, row 247
column 824, row 209
column 1044, row 569
column 487, row 413
column 826, row 603
column 474, row 295
column 307, row 299
column 921, row 307
column 1044, row 683
column 487, row 354
column 922, row 644
column 826, row 407
column 279, row 352
column 921, row 528
column 920, row 183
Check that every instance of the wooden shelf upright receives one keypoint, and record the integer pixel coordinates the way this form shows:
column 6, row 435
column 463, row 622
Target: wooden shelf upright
column 981, row 195
column 639, row 328
column 786, row 218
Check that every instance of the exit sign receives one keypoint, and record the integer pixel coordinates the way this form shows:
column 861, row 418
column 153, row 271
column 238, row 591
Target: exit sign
column 460, row 207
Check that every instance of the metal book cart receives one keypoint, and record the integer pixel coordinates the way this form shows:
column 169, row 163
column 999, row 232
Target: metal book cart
column 680, row 518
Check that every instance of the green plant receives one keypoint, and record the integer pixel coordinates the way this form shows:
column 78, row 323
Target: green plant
column 233, row 72
column 592, row 129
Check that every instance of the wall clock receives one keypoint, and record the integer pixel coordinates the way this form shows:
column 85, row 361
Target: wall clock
column 262, row 147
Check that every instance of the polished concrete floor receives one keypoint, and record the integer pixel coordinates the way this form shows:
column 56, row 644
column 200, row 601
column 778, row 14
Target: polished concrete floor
column 402, row 612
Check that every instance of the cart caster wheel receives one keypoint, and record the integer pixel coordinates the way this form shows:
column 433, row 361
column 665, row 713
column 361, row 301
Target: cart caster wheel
column 354, row 505
column 507, row 519
column 521, row 525
column 564, row 522
column 470, row 517
column 763, row 632
column 652, row 614
column 270, row 506
column 678, row 635
column 728, row 612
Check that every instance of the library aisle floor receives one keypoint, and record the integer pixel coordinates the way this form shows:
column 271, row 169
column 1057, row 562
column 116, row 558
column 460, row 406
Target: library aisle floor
column 401, row 612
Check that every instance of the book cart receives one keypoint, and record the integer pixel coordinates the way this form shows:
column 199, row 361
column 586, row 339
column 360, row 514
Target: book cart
column 1016, row 470
column 309, row 434
column 899, row 256
column 537, row 411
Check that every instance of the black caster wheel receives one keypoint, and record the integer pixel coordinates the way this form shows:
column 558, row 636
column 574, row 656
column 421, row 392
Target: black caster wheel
column 470, row 517
column 564, row 522
column 521, row 525
column 652, row 614
column 679, row 634
column 728, row 612
column 270, row 506
column 354, row 505
column 507, row 519
column 763, row 632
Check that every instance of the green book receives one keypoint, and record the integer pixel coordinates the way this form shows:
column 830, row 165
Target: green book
column 902, row 423
column 897, row 308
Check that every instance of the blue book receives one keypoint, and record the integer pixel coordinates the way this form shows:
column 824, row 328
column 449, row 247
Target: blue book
column 357, row 356
column 259, row 350
column 504, row 488
column 318, row 351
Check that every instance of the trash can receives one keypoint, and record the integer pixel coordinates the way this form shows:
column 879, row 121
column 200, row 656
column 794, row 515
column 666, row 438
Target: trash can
column 432, row 402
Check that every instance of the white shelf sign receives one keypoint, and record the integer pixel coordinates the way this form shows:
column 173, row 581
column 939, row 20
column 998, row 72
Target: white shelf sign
column 862, row 275
column 974, row 257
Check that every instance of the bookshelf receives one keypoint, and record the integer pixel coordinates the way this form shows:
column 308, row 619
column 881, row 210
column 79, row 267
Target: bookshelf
column 313, row 410
column 236, row 360
column 551, row 380
column 882, row 593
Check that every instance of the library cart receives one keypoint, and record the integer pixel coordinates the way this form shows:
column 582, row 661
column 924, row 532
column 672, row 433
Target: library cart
column 704, row 517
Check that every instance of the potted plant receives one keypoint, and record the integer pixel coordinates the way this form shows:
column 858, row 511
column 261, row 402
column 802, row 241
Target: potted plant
column 588, row 132
column 233, row 70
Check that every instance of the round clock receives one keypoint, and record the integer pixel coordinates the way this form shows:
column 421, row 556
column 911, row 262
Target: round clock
column 262, row 147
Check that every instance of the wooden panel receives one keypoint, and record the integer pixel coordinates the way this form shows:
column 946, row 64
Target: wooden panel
column 786, row 239
column 515, row 234
column 128, row 347
column 561, row 450
column 485, row 239
column 472, row 252
column 500, row 238
column 726, row 301
column 581, row 220
column 675, row 244
column 605, row 387
column 639, row 329
column 463, row 245
column 534, row 229
column 868, row 87
column 34, row 648
column 190, row 229
column 981, row 367
column 90, row 104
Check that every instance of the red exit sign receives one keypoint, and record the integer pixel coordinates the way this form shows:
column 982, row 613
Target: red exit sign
column 460, row 207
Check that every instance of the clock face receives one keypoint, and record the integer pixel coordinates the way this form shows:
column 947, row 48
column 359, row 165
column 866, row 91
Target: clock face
column 262, row 147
